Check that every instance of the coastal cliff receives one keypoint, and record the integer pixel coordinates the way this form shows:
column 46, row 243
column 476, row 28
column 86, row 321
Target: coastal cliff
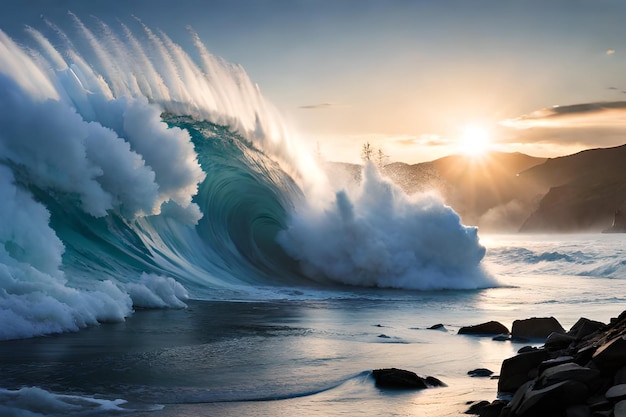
column 584, row 191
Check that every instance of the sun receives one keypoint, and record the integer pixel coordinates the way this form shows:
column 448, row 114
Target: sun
column 474, row 140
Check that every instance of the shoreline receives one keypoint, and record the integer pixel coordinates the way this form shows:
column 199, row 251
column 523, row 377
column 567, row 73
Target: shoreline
column 578, row 373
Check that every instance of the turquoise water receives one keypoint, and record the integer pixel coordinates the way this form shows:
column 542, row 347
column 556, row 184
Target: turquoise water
column 311, row 353
column 169, row 247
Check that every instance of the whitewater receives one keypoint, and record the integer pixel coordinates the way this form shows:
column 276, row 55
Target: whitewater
column 169, row 246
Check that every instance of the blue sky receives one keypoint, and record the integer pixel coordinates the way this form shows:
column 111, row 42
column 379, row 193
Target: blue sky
column 406, row 76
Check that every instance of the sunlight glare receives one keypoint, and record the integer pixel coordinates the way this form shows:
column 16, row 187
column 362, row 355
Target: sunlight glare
column 474, row 140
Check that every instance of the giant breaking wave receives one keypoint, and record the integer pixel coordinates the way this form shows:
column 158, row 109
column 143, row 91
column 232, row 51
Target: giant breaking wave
column 132, row 175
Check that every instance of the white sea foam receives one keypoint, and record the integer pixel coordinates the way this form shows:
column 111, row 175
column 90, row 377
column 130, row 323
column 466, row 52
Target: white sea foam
column 378, row 236
column 155, row 291
column 80, row 118
column 37, row 402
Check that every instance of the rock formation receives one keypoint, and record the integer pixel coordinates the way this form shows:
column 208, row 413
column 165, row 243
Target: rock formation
column 488, row 328
column 580, row 375
column 393, row 378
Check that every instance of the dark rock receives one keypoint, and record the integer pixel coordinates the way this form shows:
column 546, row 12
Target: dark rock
column 518, row 369
column 501, row 338
column 611, row 355
column 476, row 407
column 558, row 341
column 493, row 410
column 518, row 397
column 578, row 411
column 401, row 379
column 584, row 327
column 486, row 408
column 616, row 393
column 560, row 360
column 584, row 355
column 431, row 381
column 488, row 328
column 620, row 409
column 536, row 327
column 578, row 374
column 599, row 404
column 480, row 372
column 526, row 349
column 620, row 376
column 384, row 336
column 549, row 400
column 567, row 371
column 437, row 326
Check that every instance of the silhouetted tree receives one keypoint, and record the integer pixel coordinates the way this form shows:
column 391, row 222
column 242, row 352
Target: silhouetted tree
column 367, row 152
column 381, row 159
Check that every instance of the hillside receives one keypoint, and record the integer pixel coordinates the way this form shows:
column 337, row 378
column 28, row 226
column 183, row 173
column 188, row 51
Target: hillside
column 583, row 190
column 516, row 192
column 486, row 191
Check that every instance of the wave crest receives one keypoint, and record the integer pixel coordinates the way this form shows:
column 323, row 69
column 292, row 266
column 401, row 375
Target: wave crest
column 378, row 236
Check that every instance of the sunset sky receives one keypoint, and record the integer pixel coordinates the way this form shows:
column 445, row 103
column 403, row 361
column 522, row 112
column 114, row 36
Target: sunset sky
column 409, row 77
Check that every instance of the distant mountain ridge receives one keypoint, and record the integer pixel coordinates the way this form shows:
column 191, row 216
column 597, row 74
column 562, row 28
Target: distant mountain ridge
column 517, row 192
column 584, row 190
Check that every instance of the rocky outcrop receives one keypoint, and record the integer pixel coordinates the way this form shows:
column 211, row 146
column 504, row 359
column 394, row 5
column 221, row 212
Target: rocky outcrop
column 480, row 372
column 583, row 375
column 487, row 329
column 584, row 190
column 393, row 378
column 536, row 328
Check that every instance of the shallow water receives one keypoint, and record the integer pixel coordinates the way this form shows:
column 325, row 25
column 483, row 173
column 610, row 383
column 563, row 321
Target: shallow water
column 311, row 354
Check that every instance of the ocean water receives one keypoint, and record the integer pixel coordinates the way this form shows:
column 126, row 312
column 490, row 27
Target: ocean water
column 311, row 351
column 169, row 247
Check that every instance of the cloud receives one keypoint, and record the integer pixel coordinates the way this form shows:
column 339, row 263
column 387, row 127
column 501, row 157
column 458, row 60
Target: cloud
column 425, row 139
column 601, row 114
column 610, row 51
column 317, row 106
column 582, row 125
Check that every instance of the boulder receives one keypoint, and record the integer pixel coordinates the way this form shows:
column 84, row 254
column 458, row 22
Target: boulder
column 536, row 327
column 557, row 341
column 402, row 379
column 480, row 372
column 431, row 381
column 578, row 411
column 620, row 376
column 492, row 410
column 567, row 371
column 488, row 328
column 599, row 404
column 616, row 393
column 477, row 406
column 584, row 327
column 548, row 400
column 437, row 326
column 620, row 409
column 486, row 408
column 518, row 369
column 611, row 355
column 525, row 349
column 559, row 360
